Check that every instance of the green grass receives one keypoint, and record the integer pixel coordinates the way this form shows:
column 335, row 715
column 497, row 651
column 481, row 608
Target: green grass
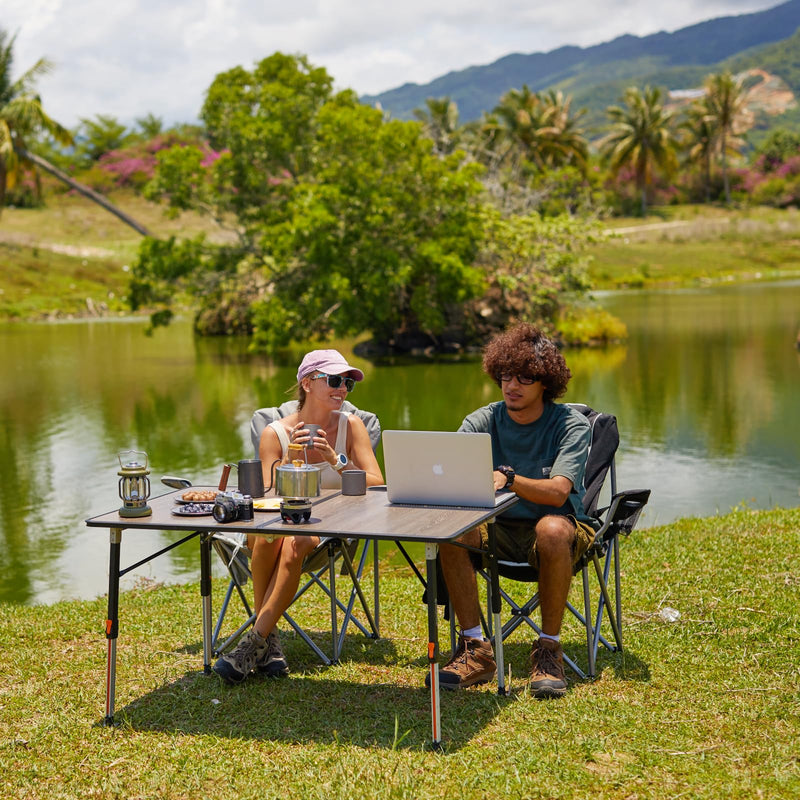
column 71, row 257
column 706, row 707
column 38, row 284
column 690, row 246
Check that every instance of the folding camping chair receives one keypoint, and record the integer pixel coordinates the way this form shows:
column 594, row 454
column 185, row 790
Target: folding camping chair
column 619, row 517
column 321, row 562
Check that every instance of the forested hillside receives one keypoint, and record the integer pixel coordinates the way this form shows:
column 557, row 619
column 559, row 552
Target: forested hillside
column 678, row 60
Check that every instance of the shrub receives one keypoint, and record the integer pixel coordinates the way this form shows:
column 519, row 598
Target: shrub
column 25, row 194
column 591, row 326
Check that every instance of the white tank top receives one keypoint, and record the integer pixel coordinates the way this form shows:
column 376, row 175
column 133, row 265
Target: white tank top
column 330, row 478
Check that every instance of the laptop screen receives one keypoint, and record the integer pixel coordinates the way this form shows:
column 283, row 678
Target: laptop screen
column 439, row 468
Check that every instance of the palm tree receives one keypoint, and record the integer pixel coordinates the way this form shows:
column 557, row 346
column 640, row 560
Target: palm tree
column 150, row 125
column 641, row 136
column 483, row 139
column 563, row 137
column 440, row 123
column 541, row 128
column 725, row 100
column 699, row 141
column 22, row 116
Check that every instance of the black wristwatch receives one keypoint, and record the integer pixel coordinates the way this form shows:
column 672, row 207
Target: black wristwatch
column 509, row 473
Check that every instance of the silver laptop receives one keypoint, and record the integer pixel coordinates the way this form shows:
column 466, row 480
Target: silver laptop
column 440, row 468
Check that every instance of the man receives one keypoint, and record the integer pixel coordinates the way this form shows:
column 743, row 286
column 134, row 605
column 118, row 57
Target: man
column 539, row 449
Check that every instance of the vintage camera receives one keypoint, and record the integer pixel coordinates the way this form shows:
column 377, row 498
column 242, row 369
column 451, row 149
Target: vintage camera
column 232, row 506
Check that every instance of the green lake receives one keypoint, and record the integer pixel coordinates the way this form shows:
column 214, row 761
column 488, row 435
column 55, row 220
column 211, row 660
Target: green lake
column 705, row 390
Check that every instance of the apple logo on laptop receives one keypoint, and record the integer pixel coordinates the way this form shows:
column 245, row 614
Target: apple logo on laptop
column 438, row 469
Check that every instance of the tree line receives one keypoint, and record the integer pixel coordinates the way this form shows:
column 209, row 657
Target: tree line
column 530, row 134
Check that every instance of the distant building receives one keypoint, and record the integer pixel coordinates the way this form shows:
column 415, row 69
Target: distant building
column 686, row 94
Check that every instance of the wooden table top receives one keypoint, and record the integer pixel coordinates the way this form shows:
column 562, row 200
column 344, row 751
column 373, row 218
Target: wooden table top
column 372, row 516
column 333, row 514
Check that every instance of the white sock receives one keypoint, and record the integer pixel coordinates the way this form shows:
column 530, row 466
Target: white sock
column 556, row 638
column 473, row 633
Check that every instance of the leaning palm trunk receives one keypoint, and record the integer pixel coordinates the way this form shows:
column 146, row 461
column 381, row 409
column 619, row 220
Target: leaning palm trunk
column 84, row 190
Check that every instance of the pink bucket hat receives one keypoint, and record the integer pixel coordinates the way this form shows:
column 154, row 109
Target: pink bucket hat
column 329, row 361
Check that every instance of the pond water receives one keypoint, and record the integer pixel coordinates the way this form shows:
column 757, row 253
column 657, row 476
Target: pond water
column 705, row 390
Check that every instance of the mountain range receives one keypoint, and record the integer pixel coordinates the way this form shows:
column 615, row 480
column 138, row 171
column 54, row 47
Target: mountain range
column 755, row 45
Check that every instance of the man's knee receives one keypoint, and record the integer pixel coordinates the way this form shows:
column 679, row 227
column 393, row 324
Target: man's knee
column 554, row 534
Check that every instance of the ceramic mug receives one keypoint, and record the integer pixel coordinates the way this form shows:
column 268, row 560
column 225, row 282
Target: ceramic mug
column 312, row 432
column 354, row 482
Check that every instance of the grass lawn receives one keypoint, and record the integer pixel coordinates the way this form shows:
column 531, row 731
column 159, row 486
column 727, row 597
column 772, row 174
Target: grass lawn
column 41, row 284
column 705, row 707
column 72, row 258
column 697, row 245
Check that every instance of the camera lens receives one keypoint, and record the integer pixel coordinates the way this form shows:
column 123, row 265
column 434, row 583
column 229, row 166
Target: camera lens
column 225, row 510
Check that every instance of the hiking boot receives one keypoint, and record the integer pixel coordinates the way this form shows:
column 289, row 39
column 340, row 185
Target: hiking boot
column 239, row 663
column 547, row 669
column 273, row 661
column 471, row 664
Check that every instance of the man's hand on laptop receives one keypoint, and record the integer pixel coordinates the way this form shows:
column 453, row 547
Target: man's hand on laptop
column 499, row 481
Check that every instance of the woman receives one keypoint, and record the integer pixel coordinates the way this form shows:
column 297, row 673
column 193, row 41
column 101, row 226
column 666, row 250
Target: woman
column 324, row 380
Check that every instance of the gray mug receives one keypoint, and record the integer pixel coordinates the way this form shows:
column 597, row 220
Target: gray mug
column 251, row 477
column 354, row 482
column 312, row 430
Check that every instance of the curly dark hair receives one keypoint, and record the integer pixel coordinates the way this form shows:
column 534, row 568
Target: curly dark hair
column 525, row 350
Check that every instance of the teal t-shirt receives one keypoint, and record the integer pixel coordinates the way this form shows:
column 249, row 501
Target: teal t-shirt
column 555, row 444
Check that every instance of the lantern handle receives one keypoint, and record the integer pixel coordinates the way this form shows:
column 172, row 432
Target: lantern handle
column 122, row 453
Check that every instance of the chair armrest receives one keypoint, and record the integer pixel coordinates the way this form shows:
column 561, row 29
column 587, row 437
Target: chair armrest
column 623, row 513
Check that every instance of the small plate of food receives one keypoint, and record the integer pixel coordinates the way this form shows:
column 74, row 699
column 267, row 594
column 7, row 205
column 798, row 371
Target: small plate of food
column 197, row 496
column 267, row 504
column 194, row 510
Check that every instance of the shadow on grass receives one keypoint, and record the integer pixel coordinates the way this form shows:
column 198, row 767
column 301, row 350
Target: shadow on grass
column 626, row 665
column 312, row 707
column 356, row 647
column 361, row 702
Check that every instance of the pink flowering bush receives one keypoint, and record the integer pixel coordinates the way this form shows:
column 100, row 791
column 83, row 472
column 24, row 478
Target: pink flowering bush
column 770, row 181
column 133, row 166
column 625, row 198
column 128, row 169
column 789, row 168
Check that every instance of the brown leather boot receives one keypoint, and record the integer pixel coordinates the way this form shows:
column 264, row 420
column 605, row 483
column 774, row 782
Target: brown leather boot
column 471, row 664
column 547, row 669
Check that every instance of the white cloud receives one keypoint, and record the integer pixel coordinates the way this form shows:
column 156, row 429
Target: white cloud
column 131, row 57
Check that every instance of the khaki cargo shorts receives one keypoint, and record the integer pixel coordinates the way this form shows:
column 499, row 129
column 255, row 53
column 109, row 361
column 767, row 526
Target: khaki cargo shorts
column 516, row 540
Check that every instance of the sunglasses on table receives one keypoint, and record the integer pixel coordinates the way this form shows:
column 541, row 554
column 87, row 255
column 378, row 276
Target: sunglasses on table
column 526, row 380
column 335, row 381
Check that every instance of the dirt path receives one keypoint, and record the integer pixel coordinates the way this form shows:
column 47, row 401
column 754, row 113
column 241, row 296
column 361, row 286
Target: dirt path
column 663, row 226
column 24, row 240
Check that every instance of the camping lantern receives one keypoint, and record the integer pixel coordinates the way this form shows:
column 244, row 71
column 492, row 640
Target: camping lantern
column 134, row 485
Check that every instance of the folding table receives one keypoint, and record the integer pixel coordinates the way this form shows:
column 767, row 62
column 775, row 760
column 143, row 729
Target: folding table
column 369, row 516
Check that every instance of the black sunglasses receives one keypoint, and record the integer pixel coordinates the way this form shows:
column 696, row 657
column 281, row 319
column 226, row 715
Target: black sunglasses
column 335, row 381
column 525, row 380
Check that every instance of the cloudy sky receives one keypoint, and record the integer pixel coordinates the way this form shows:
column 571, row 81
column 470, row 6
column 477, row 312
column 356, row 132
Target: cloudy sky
column 128, row 58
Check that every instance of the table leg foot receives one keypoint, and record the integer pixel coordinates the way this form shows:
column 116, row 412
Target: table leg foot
column 437, row 747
